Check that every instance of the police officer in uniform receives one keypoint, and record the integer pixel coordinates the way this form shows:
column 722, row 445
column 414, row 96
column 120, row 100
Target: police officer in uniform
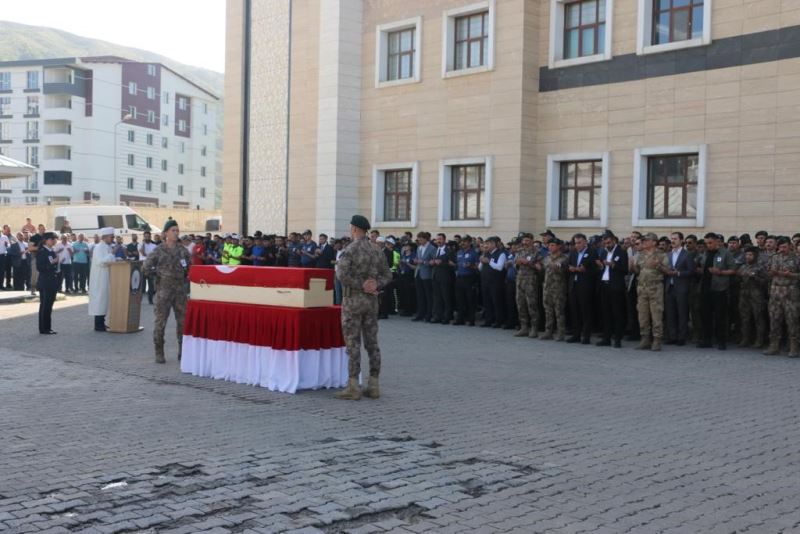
column 362, row 271
column 47, row 284
column 169, row 262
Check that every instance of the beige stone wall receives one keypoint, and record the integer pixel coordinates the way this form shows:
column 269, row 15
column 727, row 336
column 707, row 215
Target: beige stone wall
column 232, row 126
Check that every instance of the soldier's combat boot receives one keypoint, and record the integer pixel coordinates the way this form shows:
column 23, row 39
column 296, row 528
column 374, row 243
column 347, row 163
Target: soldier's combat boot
column 656, row 345
column 644, row 344
column 180, row 349
column 523, row 331
column 160, row 354
column 560, row 336
column 351, row 392
column 533, row 334
column 546, row 335
column 758, row 343
column 793, row 349
column 373, row 390
column 774, row 348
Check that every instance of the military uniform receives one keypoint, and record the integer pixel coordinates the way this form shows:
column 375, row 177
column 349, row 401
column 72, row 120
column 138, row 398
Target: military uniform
column 555, row 295
column 784, row 299
column 170, row 266
column 528, row 292
column 359, row 262
column 752, row 304
column 650, row 293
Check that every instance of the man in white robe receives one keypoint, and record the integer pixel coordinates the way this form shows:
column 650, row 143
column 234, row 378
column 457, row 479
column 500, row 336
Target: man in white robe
column 102, row 256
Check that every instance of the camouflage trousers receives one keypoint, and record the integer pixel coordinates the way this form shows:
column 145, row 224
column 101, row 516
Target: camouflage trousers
column 752, row 313
column 360, row 322
column 555, row 315
column 528, row 302
column 650, row 305
column 784, row 302
column 169, row 296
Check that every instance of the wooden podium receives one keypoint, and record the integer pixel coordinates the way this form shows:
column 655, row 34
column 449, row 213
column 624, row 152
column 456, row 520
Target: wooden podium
column 125, row 282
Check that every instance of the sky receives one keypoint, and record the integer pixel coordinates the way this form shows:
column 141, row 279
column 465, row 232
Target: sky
column 199, row 39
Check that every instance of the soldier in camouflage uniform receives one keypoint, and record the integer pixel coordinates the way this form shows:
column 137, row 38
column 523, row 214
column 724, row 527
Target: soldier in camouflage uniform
column 752, row 299
column 555, row 291
column 529, row 265
column 650, row 266
column 784, row 298
column 362, row 271
column 169, row 263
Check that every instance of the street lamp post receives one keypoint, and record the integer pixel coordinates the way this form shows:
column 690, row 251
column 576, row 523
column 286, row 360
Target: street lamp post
column 125, row 118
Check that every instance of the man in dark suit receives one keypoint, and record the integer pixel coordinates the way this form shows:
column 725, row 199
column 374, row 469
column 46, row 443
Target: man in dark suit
column 582, row 269
column 18, row 265
column 613, row 267
column 443, row 263
column 47, row 283
column 678, row 282
column 325, row 253
column 423, row 277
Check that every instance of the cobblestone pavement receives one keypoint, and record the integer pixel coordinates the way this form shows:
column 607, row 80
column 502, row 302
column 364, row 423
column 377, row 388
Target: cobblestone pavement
column 478, row 431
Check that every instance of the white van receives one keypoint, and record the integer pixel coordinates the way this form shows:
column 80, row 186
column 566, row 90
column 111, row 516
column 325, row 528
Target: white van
column 90, row 219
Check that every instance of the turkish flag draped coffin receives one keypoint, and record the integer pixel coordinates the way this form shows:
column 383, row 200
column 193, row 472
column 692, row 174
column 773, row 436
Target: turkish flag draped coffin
column 282, row 348
column 268, row 286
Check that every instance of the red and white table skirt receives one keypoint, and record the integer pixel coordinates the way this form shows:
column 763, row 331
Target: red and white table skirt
column 279, row 348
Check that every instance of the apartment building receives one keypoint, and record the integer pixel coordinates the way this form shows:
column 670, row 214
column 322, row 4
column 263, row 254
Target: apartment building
column 495, row 116
column 107, row 130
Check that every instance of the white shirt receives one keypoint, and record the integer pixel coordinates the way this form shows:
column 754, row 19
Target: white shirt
column 145, row 249
column 607, row 270
column 338, row 255
column 4, row 244
column 675, row 254
column 64, row 253
column 498, row 264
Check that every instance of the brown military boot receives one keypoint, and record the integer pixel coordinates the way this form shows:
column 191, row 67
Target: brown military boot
column 533, row 334
column 793, row 349
column 160, row 354
column 547, row 335
column 656, row 345
column 774, row 348
column 523, row 331
column 644, row 344
column 351, row 392
column 373, row 390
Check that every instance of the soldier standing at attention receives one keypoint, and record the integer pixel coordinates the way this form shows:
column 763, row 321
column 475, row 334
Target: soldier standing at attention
column 752, row 300
column 362, row 271
column 529, row 265
column 784, row 296
column 169, row 262
column 555, row 291
column 650, row 266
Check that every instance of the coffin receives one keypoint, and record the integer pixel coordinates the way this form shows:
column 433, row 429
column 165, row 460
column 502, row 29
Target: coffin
column 267, row 286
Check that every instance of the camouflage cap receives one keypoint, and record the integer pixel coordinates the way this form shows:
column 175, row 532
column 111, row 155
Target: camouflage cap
column 650, row 236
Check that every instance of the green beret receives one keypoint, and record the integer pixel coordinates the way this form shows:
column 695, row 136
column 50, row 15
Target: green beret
column 359, row 221
column 169, row 224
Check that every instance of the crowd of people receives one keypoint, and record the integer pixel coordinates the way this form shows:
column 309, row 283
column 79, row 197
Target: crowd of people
column 654, row 290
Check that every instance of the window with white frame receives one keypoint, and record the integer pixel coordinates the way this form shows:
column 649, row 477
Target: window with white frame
column 149, row 162
column 164, row 142
column 204, row 151
column 151, row 93
column 183, row 147
column 131, row 88
column 397, row 52
column 149, row 139
column 180, row 190
column 181, row 125
column 163, row 187
column 580, row 31
column 180, row 168
column 32, row 105
column 32, row 130
column 202, row 171
column 131, row 136
column 32, row 80
column 205, row 108
column 5, row 131
column 669, row 186
column 205, row 129
column 166, row 97
column 5, row 105
column 132, row 112
column 465, row 192
column 182, row 103
column 5, row 81
column 151, row 116
column 151, row 70
column 130, row 183
column 163, row 165
column 395, row 189
column 577, row 190
column 131, row 160
column 165, row 120
column 468, row 44
column 665, row 25
column 202, row 192
column 148, row 185
column 32, row 155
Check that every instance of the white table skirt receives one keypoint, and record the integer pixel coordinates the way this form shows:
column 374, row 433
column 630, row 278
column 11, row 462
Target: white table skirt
column 277, row 370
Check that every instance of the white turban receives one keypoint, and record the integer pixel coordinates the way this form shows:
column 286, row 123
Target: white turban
column 108, row 230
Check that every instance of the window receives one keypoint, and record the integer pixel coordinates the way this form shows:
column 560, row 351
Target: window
column 163, row 187
column 149, row 139
column 151, row 93
column 32, row 80
column 32, row 155
column 577, row 190
column 149, row 162
column 205, row 129
column 468, row 39
column 182, row 103
column 205, row 108
column 135, row 222
column 183, row 147
column 584, row 28
column 180, row 168
column 164, row 142
column 166, row 97
column 202, row 171
column 669, row 186
column 32, row 182
column 5, row 105
column 181, row 125
column 151, row 70
column 400, row 52
column 115, row 221
column 397, row 195
column 57, row 178
column 133, row 112
column 165, row 119
column 132, row 88
column 130, row 183
column 180, row 190
column 32, row 130
column 32, row 105
column 671, row 24
column 466, row 189
column 151, row 116
column 163, row 165
column 5, row 131
column 131, row 136
column 5, row 81
column 202, row 192
column 131, row 160
column 148, row 185
column 204, row 151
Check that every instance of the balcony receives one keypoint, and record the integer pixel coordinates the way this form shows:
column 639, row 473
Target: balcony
column 57, row 153
column 57, row 127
